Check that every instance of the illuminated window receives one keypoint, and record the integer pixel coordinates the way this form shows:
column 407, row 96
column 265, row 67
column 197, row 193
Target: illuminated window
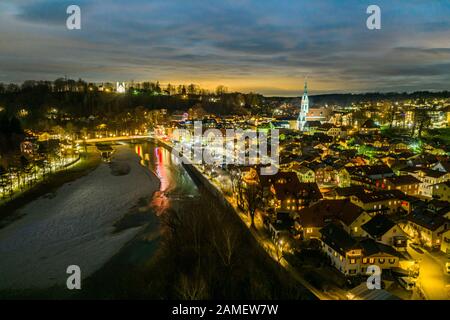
column 352, row 261
column 371, row 260
column 364, row 260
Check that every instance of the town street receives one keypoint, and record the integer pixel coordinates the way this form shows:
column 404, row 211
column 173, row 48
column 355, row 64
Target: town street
column 433, row 280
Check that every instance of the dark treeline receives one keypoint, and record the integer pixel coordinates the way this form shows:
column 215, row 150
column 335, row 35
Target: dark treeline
column 349, row 98
column 11, row 134
column 81, row 99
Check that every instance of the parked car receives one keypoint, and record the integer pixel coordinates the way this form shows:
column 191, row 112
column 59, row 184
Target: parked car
column 407, row 283
column 416, row 248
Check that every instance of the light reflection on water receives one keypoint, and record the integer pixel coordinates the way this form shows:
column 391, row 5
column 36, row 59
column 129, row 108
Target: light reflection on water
column 176, row 185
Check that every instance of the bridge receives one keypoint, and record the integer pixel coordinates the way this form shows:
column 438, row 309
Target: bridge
column 112, row 139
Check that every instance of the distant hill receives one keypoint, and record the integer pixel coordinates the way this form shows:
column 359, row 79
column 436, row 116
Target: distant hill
column 347, row 98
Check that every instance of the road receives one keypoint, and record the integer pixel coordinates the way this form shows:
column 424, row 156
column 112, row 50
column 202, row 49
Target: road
column 434, row 281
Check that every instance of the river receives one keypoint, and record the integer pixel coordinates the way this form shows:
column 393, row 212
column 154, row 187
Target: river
column 78, row 223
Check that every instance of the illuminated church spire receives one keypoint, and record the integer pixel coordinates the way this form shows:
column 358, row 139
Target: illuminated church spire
column 304, row 108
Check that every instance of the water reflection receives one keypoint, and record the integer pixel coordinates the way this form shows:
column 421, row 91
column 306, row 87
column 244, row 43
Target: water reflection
column 176, row 184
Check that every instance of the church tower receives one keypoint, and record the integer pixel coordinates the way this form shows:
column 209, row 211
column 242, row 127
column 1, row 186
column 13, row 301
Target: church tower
column 304, row 108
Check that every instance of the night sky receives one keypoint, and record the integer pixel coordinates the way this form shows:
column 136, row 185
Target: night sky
column 263, row 46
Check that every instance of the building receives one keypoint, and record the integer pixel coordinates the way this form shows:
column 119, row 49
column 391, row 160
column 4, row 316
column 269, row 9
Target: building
column 321, row 114
column 306, row 174
column 284, row 192
column 370, row 177
column 429, row 178
column 310, row 220
column 426, row 228
column 441, row 191
column 380, row 202
column 291, row 196
column 351, row 256
column 370, row 127
column 445, row 243
column 382, row 229
column 408, row 184
column 120, row 87
column 343, row 178
column 304, row 108
column 443, row 166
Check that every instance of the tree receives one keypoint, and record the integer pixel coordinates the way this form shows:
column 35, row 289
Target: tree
column 252, row 198
column 392, row 113
column 421, row 120
column 192, row 287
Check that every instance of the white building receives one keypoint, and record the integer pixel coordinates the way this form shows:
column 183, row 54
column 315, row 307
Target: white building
column 304, row 108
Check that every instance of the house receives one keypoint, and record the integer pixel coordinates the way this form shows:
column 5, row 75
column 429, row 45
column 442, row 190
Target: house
column 427, row 228
column 382, row 229
column 383, row 201
column 282, row 227
column 441, row 191
column 351, row 256
column 398, row 146
column 439, row 207
column 443, row 166
column 310, row 220
column 429, row 178
column 370, row 176
column 445, row 243
column 347, row 192
column 324, row 174
column 342, row 249
column 336, row 132
column 370, row 127
column 343, row 178
column 311, row 126
column 284, row 191
column 306, row 174
column 408, row 184
column 425, row 160
column 376, row 253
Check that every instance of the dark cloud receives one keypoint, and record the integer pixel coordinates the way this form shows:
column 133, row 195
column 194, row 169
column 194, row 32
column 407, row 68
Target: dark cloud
column 243, row 42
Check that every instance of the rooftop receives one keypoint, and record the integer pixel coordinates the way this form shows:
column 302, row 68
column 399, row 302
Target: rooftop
column 378, row 226
column 326, row 210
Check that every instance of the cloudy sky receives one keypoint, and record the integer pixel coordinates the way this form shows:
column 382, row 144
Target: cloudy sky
column 267, row 46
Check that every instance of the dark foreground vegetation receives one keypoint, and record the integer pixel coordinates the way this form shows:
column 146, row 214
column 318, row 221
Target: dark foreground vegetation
column 205, row 253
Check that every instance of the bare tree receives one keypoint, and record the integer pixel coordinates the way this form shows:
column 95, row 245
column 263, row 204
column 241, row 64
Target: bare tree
column 192, row 287
column 252, row 198
column 225, row 240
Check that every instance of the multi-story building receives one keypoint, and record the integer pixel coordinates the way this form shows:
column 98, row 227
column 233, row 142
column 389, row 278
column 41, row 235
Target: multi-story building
column 429, row 178
column 380, row 202
column 426, row 228
column 310, row 220
column 408, row 184
column 351, row 256
column 441, row 191
column 382, row 229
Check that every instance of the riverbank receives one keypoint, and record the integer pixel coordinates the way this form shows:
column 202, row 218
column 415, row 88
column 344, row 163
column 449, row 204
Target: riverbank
column 88, row 162
column 76, row 225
